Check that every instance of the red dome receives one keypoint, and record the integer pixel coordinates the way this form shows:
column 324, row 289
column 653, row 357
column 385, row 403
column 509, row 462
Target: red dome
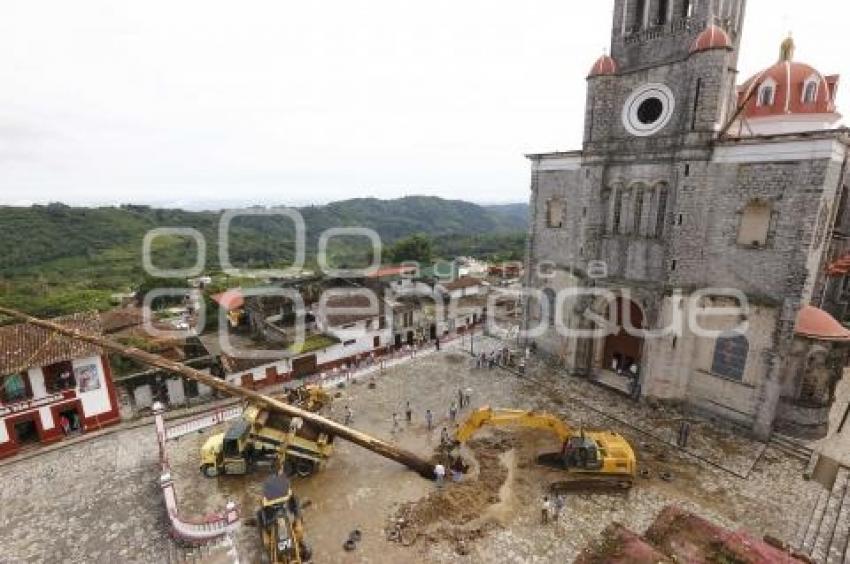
column 604, row 66
column 712, row 37
column 788, row 87
column 817, row 324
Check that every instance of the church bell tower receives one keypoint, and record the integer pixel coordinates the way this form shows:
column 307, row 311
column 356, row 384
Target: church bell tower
column 670, row 79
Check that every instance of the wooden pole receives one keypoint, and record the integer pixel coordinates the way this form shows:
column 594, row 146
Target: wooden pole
column 378, row 446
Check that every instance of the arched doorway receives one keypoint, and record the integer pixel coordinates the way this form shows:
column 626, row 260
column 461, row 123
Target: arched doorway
column 623, row 351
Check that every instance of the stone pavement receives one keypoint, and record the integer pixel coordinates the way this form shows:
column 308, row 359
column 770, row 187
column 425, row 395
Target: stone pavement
column 100, row 500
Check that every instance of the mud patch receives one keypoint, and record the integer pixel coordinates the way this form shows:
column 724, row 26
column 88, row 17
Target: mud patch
column 460, row 513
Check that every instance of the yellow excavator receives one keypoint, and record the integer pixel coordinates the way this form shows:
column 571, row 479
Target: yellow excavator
column 591, row 458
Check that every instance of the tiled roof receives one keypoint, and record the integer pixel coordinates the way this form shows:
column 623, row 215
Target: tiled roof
column 231, row 299
column 24, row 346
column 337, row 304
column 387, row 271
column 461, row 283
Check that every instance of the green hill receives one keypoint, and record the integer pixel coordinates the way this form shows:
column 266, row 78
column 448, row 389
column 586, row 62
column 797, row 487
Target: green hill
column 56, row 259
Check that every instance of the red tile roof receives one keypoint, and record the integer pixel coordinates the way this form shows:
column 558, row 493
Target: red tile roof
column 462, row 282
column 712, row 37
column 25, row 346
column 231, row 299
column 385, row 271
column 336, row 305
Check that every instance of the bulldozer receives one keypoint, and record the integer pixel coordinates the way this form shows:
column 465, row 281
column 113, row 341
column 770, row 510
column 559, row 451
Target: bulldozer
column 590, row 458
column 265, row 435
column 281, row 524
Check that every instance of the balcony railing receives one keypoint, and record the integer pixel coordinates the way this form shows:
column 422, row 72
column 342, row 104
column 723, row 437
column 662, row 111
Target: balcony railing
column 638, row 34
column 33, row 403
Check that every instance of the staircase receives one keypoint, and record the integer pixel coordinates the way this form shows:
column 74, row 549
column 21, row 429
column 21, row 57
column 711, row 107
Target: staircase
column 791, row 447
column 824, row 536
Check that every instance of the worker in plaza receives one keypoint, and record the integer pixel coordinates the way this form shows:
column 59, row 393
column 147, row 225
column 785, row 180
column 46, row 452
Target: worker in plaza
column 558, row 506
column 440, row 474
column 408, row 413
column 545, row 510
column 445, row 438
column 453, row 411
column 429, row 419
column 349, row 415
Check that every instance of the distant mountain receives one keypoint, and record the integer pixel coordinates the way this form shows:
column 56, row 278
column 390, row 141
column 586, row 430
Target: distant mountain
column 57, row 258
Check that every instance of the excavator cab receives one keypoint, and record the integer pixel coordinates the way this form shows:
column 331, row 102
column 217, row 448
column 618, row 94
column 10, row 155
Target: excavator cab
column 582, row 453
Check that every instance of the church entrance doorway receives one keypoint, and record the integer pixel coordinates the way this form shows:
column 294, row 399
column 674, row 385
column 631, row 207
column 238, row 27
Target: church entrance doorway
column 623, row 352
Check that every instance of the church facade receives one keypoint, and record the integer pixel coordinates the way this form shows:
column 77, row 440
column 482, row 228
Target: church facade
column 690, row 180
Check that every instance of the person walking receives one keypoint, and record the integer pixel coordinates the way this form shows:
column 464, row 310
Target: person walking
column 395, row 421
column 545, row 510
column 460, row 398
column 453, row 411
column 349, row 415
column 429, row 419
column 558, row 506
column 445, row 439
column 437, row 343
column 440, row 474
column 408, row 413
column 467, row 397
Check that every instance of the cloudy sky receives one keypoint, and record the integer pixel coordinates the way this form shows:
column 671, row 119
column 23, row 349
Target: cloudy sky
column 275, row 101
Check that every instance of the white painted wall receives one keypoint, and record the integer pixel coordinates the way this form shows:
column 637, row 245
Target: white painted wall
column 46, row 418
column 96, row 401
column 36, row 377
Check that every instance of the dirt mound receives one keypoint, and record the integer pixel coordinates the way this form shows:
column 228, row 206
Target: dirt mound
column 450, row 513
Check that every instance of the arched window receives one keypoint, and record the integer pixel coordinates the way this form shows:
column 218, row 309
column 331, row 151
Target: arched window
column 637, row 195
column 767, row 93
column 640, row 14
column 549, row 294
column 618, row 209
column 755, row 224
column 660, row 209
column 730, row 356
column 606, row 208
column 661, row 14
column 810, row 91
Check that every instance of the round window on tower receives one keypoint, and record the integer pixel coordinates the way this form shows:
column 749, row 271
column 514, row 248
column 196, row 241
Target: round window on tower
column 648, row 110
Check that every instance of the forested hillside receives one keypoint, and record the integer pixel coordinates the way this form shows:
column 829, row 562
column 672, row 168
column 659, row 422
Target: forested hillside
column 55, row 259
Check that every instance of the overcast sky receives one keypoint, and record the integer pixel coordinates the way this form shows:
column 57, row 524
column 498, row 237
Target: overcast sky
column 203, row 101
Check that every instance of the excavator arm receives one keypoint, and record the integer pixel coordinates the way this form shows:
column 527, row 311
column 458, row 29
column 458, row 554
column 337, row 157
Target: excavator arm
column 512, row 417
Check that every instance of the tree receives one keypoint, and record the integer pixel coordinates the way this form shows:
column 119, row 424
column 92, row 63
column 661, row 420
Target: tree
column 414, row 248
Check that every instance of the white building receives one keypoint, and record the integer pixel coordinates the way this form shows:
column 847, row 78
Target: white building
column 52, row 386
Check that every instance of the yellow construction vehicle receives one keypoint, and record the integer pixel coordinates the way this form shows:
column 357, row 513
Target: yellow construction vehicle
column 589, row 457
column 281, row 525
column 264, row 435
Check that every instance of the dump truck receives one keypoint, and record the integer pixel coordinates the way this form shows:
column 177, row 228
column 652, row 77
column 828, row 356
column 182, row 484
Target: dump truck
column 264, row 435
column 590, row 458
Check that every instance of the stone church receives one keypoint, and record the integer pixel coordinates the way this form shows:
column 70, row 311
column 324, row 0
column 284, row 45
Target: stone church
column 691, row 179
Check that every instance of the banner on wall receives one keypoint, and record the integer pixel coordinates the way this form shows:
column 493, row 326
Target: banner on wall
column 87, row 377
